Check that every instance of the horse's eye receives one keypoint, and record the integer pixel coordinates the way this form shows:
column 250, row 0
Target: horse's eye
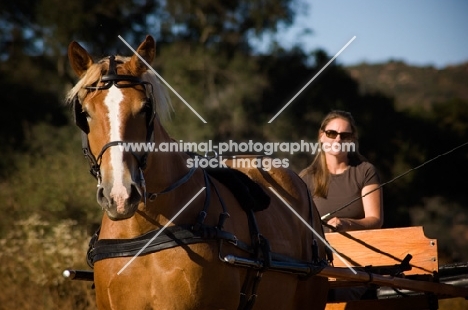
column 86, row 114
column 145, row 108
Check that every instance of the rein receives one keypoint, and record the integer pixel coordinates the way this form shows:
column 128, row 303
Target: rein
column 391, row 181
column 185, row 178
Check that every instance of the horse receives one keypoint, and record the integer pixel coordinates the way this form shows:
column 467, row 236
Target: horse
column 212, row 251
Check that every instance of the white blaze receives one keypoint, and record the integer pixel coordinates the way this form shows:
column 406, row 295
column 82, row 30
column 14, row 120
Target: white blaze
column 119, row 192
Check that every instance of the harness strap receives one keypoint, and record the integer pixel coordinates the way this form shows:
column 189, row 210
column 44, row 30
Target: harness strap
column 93, row 164
column 171, row 237
column 251, row 281
column 185, row 178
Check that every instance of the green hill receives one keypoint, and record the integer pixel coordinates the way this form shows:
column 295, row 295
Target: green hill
column 413, row 87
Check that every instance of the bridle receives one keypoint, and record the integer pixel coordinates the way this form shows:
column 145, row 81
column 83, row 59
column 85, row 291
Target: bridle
column 109, row 80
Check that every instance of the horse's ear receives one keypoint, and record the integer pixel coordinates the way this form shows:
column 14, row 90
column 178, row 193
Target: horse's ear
column 79, row 58
column 147, row 51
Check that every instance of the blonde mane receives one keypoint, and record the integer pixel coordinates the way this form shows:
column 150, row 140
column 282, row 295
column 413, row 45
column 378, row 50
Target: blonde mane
column 94, row 74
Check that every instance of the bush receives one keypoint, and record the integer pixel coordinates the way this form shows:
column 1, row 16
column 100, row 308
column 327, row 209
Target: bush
column 34, row 254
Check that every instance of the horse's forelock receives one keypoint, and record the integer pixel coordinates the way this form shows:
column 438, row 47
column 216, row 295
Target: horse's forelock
column 92, row 76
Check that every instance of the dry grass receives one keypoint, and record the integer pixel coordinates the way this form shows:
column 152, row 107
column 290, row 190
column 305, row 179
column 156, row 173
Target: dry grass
column 453, row 304
column 33, row 256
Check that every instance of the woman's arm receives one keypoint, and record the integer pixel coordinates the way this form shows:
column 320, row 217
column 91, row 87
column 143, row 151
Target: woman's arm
column 373, row 212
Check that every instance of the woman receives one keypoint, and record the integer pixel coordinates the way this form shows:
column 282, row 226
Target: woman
column 340, row 175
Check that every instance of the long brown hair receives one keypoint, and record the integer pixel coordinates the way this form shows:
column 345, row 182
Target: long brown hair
column 318, row 168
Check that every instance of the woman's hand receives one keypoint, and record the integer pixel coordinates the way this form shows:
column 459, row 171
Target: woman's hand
column 339, row 224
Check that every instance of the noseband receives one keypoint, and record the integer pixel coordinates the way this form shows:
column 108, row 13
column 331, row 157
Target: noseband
column 109, row 80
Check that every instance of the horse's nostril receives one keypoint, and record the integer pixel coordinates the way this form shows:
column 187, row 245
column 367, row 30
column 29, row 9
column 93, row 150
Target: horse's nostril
column 101, row 198
column 135, row 194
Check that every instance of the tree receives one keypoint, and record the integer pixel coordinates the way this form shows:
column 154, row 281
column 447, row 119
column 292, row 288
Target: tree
column 225, row 23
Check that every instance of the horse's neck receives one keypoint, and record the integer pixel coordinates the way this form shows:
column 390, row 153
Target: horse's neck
column 164, row 168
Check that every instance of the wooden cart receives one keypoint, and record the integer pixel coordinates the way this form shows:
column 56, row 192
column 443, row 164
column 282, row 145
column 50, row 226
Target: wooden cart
column 381, row 259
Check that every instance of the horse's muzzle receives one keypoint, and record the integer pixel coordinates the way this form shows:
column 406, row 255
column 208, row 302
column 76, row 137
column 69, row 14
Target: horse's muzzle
column 119, row 202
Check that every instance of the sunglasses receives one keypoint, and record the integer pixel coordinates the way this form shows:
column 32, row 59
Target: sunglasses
column 332, row 134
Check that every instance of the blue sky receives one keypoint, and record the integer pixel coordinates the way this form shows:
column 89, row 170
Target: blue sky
column 419, row 32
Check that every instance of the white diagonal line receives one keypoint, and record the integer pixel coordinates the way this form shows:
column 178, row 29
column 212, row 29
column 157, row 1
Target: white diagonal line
column 313, row 230
column 160, row 77
column 308, row 83
column 160, row 231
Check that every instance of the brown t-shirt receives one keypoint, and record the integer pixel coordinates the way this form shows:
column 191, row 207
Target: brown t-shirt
column 343, row 188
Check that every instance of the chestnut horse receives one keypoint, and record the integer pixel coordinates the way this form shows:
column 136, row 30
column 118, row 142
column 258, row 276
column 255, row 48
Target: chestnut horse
column 117, row 100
